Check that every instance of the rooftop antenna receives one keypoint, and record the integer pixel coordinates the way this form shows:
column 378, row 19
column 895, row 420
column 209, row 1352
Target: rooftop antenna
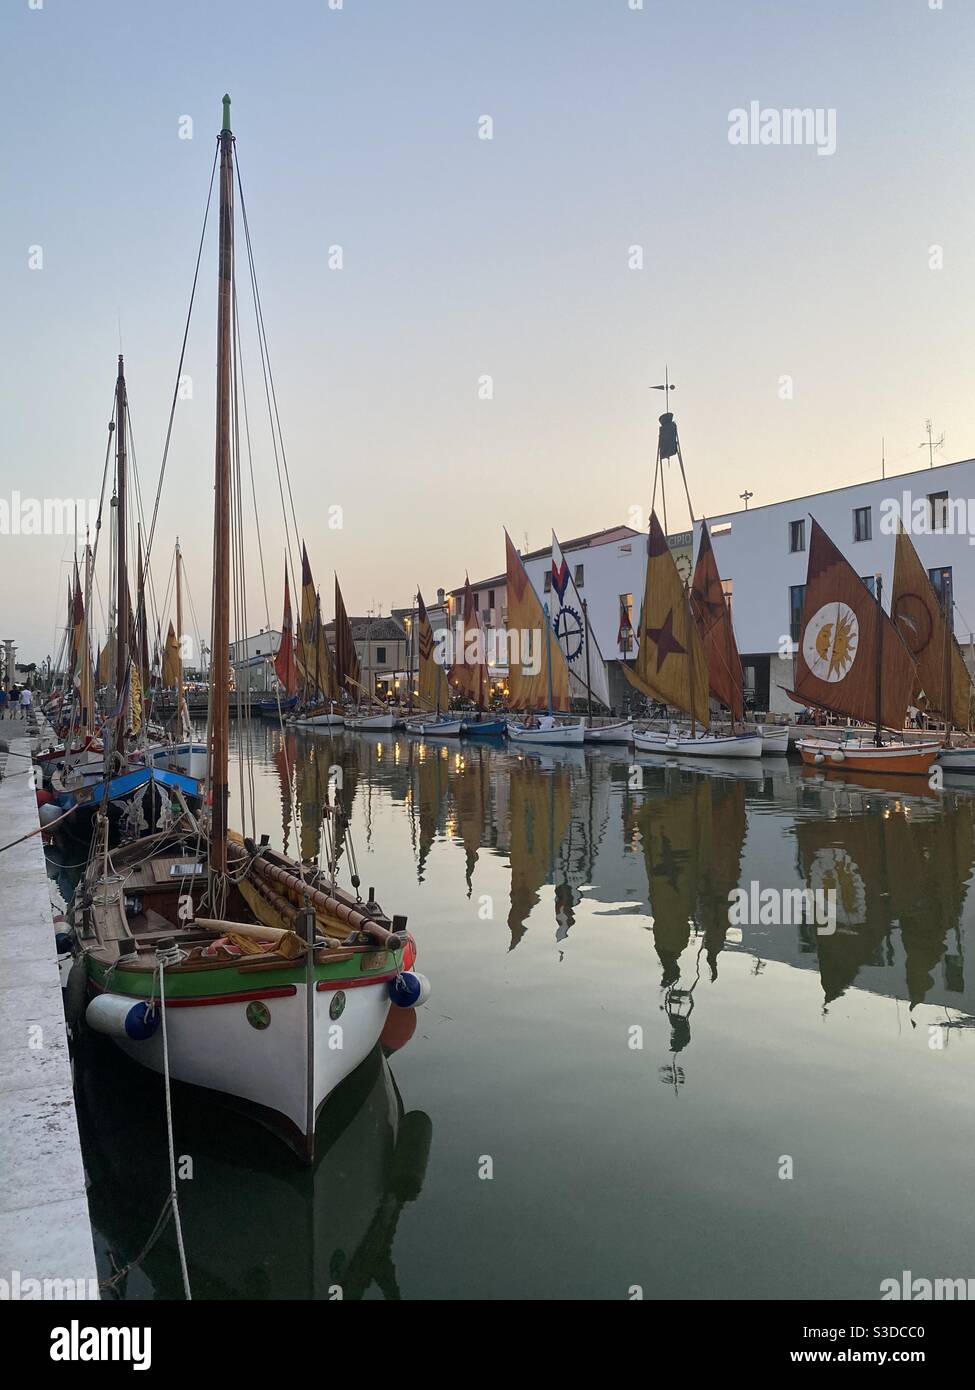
column 931, row 444
column 745, row 497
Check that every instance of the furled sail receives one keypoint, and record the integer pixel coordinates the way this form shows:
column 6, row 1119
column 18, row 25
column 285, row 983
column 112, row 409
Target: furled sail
column 710, row 607
column 432, row 692
column 468, row 672
column 543, row 680
column 842, row 628
column 347, row 671
column 942, row 676
column 670, row 663
column 284, row 662
column 587, row 669
column 172, row 661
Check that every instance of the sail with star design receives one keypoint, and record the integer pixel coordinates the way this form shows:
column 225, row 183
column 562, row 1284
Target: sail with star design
column 670, row 663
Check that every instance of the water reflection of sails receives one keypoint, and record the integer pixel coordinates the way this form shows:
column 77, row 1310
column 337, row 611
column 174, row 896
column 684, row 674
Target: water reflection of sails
column 264, row 1230
column 896, row 865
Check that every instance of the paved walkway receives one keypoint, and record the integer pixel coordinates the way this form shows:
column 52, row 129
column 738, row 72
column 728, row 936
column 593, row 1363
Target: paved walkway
column 45, row 1232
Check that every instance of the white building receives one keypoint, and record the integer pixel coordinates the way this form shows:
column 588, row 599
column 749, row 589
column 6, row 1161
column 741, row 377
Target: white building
column 761, row 555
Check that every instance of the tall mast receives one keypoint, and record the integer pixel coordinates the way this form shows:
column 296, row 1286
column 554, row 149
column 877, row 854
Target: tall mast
column 877, row 737
column 122, row 591
column 179, row 636
column 220, row 654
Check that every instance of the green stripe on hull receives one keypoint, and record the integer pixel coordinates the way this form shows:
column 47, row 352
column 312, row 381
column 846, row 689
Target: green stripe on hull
column 232, row 980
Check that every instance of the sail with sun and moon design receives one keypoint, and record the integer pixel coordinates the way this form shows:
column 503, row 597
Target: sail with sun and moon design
column 943, row 684
column 710, row 607
column 670, row 665
column 844, row 633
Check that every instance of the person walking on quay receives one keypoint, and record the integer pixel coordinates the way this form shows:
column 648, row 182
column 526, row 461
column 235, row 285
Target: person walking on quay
column 3, row 703
column 25, row 702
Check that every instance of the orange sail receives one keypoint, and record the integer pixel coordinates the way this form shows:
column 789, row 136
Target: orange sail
column 713, row 617
column 432, row 692
column 943, row 685
column 844, row 633
column 670, row 663
column 468, row 674
column 285, row 667
column 538, row 675
column 172, row 661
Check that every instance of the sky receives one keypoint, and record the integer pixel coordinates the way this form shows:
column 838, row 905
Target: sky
column 794, row 296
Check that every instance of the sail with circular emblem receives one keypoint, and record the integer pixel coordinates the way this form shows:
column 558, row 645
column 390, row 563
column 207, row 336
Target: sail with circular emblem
column 573, row 631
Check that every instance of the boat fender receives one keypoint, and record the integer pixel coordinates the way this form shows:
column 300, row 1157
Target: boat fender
column 409, row 990
column 48, row 813
column 64, row 941
column 117, row 1016
column 74, row 993
column 818, row 758
column 837, row 756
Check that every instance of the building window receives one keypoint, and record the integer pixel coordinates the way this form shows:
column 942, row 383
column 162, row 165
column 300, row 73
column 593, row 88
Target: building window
column 861, row 524
column 797, row 597
column 625, row 635
column 548, row 581
column 727, row 588
column 797, row 536
column 380, row 656
column 490, row 598
column 940, row 577
column 870, row 582
column 938, row 509
column 580, row 576
column 477, row 601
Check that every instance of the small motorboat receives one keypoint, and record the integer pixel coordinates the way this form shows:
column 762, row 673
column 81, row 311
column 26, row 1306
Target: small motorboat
column 371, row 723
column 547, row 730
column 775, row 738
column 703, row 745
column 484, row 728
column 618, row 731
column 442, row 728
column 957, row 759
column 865, row 755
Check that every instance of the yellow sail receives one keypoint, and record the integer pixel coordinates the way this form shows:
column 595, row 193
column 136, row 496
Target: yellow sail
column 432, row 692
column 135, row 698
column 105, row 661
column 541, row 681
column 172, row 661
column 671, row 665
column 943, row 685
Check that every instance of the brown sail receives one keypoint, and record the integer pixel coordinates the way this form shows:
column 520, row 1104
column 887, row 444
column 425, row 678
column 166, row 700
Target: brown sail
column 347, row 672
column 713, row 616
column 845, row 635
column 468, row 674
column 670, row 663
column 943, row 685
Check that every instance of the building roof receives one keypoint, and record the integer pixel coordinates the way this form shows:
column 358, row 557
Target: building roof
column 603, row 537
column 373, row 629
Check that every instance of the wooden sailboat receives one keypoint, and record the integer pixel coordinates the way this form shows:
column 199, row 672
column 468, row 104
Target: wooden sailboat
column 368, row 717
column 210, row 955
column 672, row 666
column 182, row 754
column 545, row 688
column 852, row 661
column 322, row 689
column 943, row 685
column 588, row 673
column 432, row 692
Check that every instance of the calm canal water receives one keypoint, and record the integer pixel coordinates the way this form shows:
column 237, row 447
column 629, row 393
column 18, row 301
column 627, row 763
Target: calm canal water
column 632, row 1069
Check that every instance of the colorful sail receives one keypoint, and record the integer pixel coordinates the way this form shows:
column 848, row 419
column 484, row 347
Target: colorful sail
column 347, row 670
column 432, row 692
column 284, row 661
column 670, row 662
column 587, row 668
column 541, row 681
column 713, row 616
column 469, row 672
column 306, row 628
column 844, row 634
column 943, row 685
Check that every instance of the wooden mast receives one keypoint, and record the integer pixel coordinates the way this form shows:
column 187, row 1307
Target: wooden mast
column 180, row 693
column 122, row 590
column 878, row 734
column 220, row 657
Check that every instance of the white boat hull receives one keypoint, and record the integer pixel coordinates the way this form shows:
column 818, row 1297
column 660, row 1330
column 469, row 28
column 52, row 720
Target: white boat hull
column 442, row 728
column 214, row 1046
column 559, row 734
column 318, row 721
column 621, row 732
column 703, row 746
column 372, row 723
column 188, row 758
column 957, row 759
column 775, row 738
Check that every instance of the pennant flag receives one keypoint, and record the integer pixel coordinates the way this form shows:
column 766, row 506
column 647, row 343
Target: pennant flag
column 670, row 662
column 587, row 669
column 710, row 607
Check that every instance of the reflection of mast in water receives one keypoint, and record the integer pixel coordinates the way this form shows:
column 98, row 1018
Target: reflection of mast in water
column 540, row 808
column 284, row 762
column 470, row 793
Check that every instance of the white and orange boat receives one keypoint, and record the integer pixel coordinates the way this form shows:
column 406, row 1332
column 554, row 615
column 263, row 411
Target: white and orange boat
column 865, row 755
